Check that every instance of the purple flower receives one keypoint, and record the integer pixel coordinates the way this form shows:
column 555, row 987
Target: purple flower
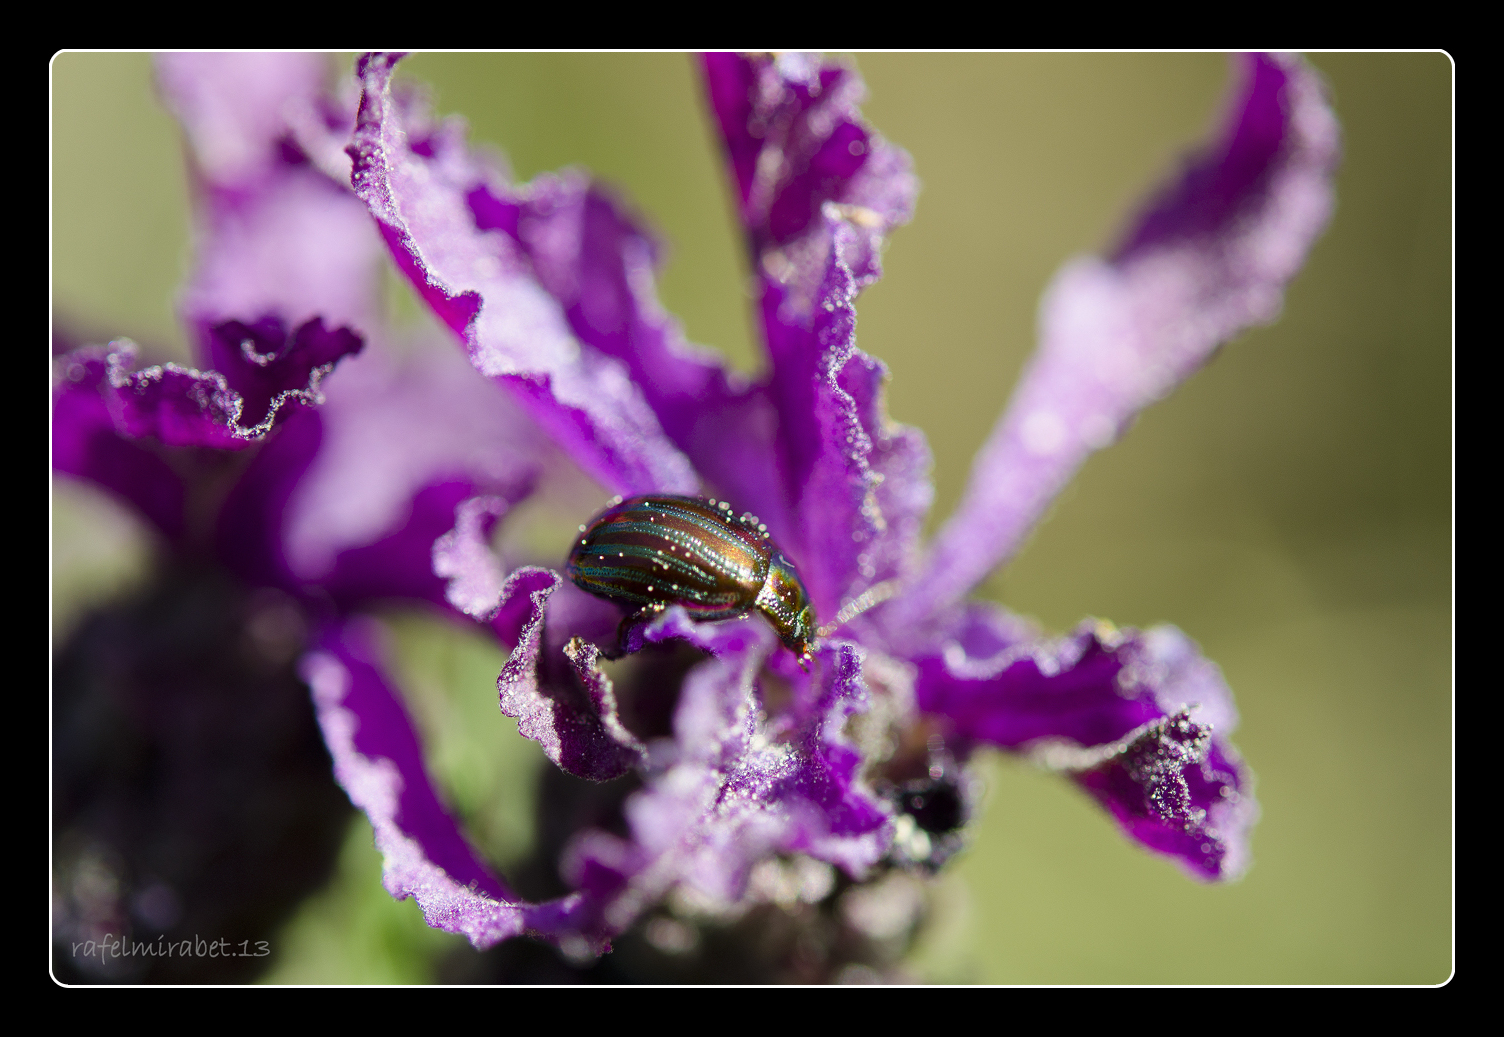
column 753, row 771
column 305, row 458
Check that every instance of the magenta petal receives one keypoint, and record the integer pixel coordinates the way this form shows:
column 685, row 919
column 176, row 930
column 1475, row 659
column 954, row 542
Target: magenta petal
column 271, row 366
column 425, row 856
column 276, row 240
column 249, row 532
column 365, row 723
column 832, row 816
column 584, row 657
column 417, row 181
column 301, row 247
column 570, row 710
column 400, row 565
column 233, row 107
column 674, row 624
column 738, row 786
column 173, row 406
column 595, row 259
column 799, row 149
column 1182, row 793
column 1279, row 128
column 462, row 557
column 818, row 191
column 135, row 432
column 863, row 480
column 86, row 444
column 1210, row 257
column 166, row 404
column 406, row 449
column 347, row 505
column 599, row 264
column 1140, row 719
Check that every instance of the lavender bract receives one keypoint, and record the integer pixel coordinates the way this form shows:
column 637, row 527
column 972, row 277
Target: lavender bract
column 548, row 287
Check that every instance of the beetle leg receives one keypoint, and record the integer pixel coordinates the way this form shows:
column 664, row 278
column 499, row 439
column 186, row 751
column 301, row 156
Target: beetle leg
column 646, row 614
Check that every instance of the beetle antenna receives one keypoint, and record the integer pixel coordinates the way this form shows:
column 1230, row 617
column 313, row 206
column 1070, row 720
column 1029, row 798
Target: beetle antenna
column 870, row 598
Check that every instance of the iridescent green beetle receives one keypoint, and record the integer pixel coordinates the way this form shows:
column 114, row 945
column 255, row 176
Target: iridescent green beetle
column 647, row 553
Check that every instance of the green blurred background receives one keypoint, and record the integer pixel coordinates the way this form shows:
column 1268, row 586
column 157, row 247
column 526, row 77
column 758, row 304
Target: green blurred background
column 1289, row 507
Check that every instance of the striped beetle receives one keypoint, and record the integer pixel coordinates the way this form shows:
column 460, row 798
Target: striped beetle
column 647, row 553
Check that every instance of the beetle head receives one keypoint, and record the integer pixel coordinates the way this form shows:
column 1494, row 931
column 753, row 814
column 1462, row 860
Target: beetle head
column 786, row 603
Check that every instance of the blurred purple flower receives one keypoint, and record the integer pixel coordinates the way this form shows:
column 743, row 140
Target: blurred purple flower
column 306, row 456
column 392, row 488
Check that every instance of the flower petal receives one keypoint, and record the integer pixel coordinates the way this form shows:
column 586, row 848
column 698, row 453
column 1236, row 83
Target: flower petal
column 569, row 710
column 417, row 181
column 1140, row 719
column 862, row 481
column 448, row 517
column 401, row 566
column 378, row 762
column 277, row 267
column 1209, row 258
column 596, row 260
column 403, row 444
column 233, row 107
column 300, row 249
column 282, row 250
column 818, row 190
column 248, row 535
column 174, row 406
column 738, row 785
column 796, row 142
column 463, row 557
column 87, row 444
column 270, row 366
column 276, row 239
column 1176, row 790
